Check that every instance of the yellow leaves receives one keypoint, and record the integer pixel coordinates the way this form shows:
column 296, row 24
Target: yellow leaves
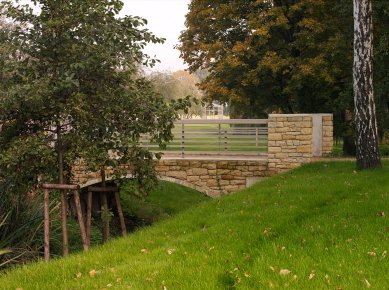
column 267, row 232
column 92, row 273
column 285, row 272
column 372, row 254
column 170, row 251
column 381, row 214
column 368, row 285
column 144, row 251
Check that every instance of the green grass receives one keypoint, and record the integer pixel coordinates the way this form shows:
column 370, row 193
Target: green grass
column 166, row 200
column 337, row 151
column 324, row 221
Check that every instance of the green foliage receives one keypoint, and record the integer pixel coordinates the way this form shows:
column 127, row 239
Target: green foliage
column 330, row 232
column 173, row 86
column 21, row 229
column 70, row 89
column 164, row 201
column 282, row 56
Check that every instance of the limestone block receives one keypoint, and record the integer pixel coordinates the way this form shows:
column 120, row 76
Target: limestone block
column 199, row 171
column 193, row 178
column 238, row 182
column 275, row 137
column 177, row 174
column 227, row 177
column 231, row 188
column 304, row 149
column 212, row 183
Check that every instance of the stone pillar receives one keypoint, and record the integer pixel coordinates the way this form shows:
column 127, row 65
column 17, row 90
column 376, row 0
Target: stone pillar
column 328, row 134
column 294, row 139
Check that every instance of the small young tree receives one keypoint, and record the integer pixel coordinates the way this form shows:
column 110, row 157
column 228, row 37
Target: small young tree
column 367, row 142
column 72, row 91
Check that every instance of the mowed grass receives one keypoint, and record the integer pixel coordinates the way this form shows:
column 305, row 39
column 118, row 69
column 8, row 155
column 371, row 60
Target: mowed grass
column 323, row 226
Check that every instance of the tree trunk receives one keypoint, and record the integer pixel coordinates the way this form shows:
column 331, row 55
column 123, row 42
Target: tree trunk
column 367, row 152
column 64, row 196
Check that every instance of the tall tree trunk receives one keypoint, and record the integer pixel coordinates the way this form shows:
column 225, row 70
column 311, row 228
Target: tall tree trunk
column 365, row 115
column 64, row 196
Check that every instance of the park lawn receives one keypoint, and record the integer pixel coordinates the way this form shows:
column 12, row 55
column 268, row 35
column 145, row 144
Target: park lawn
column 323, row 226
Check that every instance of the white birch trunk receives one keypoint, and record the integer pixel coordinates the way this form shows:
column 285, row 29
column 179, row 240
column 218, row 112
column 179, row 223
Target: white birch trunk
column 365, row 116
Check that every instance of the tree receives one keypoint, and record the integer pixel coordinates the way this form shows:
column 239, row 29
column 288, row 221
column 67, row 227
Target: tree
column 365, row 114
column 178, row 85
column 72, row 91
column 287, row 56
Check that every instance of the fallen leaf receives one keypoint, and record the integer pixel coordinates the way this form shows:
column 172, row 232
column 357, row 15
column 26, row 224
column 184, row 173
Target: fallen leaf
column 368, row 285
column 272, row 269
column 311, row 276
column 284, row 272
column 372, row 254
column 271, row 285
column 78, row 275
column 144, row 251
column 92, row 273
column 247, row 275
column 381, row 214
column 267, row 231
column 109, row 285
column 383, row 255
column 170, row 251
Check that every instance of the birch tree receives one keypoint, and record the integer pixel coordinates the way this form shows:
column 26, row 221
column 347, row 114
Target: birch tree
column 365, row 114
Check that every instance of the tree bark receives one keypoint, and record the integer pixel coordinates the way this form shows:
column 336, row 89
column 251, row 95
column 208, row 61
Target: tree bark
column 64, row 196
column 367, row 152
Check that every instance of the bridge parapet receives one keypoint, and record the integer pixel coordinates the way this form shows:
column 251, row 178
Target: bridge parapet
column 296, row 138
column 292, row 140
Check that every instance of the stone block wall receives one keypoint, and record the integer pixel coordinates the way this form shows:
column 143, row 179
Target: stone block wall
column 328, row 134
column 213, row 177
column 295, row 139
column 289, row 142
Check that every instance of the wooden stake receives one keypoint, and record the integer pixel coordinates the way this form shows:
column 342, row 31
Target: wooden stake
column 105, row 218
column 81, row 220
column 104, row 208
column 65, row 239
column 47, row 225
column 120, row 212
column 89, row 217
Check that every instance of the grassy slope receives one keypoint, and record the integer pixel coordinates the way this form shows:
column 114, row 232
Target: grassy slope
column 320, row 220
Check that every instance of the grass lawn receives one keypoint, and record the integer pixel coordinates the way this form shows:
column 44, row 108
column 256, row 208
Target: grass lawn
column 323, row 226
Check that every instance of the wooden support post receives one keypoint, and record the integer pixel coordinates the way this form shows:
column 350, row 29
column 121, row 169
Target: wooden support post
column 64, row 207
column 104, row 215
column 104, row 208
column 120, row 212
column 47, row 225
column 80, row 220
column 89, row 217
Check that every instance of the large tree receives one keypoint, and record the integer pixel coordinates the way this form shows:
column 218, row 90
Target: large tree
column 286, row 56
column 365, row 113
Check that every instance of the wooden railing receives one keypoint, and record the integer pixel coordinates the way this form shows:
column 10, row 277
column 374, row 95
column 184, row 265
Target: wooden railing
column 223, row 137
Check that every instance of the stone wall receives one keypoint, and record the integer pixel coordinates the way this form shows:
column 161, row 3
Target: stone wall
column 295, row 139
column 328, row 134
column 213, row 177
column 292, row 140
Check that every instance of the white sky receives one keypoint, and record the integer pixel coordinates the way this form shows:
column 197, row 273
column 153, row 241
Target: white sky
column 166, row 18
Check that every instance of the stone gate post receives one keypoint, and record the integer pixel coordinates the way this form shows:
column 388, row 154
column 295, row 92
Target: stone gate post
column 295, row 139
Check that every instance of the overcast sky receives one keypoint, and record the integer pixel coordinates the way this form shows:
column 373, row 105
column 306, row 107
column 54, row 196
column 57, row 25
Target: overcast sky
column 166, row 18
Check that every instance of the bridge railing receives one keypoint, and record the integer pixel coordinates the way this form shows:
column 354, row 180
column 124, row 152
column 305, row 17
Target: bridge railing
column 222, row 137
